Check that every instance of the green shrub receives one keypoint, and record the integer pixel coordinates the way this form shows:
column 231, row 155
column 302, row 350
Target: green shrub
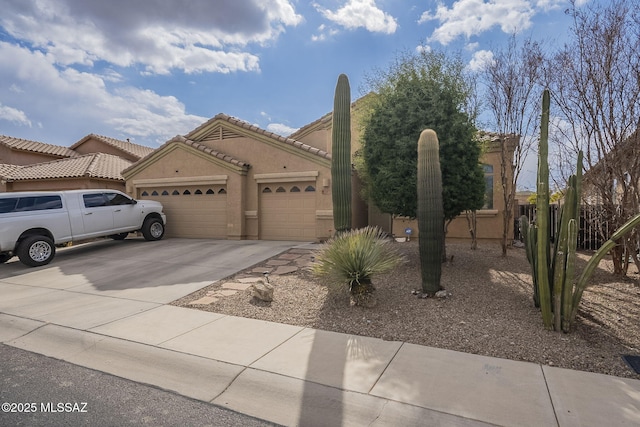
column 352, row 258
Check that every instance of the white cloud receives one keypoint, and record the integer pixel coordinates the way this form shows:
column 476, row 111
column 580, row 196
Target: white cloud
column 61, row 98
column 323, row 33
column 480, row 59
column 281, row 129
column 14, row 115
column 472, row 46
column 197, row 36
column 361, row 14
column 472, row 17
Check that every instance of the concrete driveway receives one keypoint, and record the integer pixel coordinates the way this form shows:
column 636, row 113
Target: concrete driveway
column 134, row 269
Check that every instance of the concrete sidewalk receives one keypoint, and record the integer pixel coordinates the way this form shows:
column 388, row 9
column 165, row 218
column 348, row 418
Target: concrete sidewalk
column 300, row 376
column 286, row 374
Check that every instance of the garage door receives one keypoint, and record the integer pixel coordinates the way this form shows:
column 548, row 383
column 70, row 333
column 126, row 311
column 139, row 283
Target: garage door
column 196, row 212
column 287, row 212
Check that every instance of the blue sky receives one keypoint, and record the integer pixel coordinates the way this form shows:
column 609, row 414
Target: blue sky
column 151, row 69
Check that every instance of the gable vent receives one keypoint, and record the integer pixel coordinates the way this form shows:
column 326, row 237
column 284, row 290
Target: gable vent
column 219, row 133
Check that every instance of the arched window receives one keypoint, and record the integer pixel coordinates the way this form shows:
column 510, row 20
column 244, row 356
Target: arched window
column 154, row 193
column 198, row 191
column 144, row 193
column 186, row 192
column 488, row 192
column 222, row 191
column 281, row 190
column 310, row 189
column 294, row 189
column 165, row 193
column 175, row 193
column 266, row 190
column 210, row 191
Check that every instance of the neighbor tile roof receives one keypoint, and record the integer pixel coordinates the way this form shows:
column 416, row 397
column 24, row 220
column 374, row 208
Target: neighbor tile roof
column 95, row 165
column 6, row 170
column 136, row 150
column 256, row 129
column 36, row 147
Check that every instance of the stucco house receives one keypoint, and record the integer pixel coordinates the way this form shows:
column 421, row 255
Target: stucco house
column 229, row 179
column 93, row 162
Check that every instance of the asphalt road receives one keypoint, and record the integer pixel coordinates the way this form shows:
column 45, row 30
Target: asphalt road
column 57, row 393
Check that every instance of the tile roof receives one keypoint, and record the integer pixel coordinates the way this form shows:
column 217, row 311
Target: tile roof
column 252, row 128
column 182, row 140
column 95, row 165
column 36, row 147
column 136, row 150
column 6, row 169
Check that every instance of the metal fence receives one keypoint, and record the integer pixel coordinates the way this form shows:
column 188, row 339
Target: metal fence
column 591, row 222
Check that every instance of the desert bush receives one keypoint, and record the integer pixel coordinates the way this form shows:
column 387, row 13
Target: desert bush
column 351, row 259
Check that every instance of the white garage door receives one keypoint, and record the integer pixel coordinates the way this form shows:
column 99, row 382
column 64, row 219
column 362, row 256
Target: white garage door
column 196, row 212
column 287, row 211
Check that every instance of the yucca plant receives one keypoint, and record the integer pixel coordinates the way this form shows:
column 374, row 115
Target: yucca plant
column 351, row 259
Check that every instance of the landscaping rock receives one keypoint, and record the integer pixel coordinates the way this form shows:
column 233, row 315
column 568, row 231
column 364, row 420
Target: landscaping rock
column 262, row 291
column 285, row 269
column 204, row 301
column 236, row 286
column 441, row 294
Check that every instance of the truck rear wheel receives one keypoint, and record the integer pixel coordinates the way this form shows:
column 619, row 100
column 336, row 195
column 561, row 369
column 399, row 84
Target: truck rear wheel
column 153, row 229
column 35, row 251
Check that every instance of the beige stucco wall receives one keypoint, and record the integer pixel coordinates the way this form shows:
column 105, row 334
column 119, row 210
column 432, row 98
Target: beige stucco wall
column 318, row 137
column 270, row 162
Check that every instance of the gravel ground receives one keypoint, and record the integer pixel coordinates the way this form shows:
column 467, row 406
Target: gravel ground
column 489, row 310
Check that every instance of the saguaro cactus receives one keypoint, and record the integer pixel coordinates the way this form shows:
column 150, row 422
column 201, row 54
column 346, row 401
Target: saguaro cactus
column 430, row 211
column 341, row 156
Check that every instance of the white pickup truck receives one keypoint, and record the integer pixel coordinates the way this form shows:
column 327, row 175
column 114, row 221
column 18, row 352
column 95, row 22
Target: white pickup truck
column 33, row 223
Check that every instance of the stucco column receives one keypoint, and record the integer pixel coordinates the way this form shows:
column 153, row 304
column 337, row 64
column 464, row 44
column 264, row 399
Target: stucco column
column 236, row 194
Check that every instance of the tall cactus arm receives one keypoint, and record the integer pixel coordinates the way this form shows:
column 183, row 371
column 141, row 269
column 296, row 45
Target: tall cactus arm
column 542, row 209
column 569, row 279
column 561, row 251
column 581, row 284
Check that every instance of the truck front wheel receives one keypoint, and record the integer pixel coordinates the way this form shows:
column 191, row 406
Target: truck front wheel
column 35, row 251
column 153, row 229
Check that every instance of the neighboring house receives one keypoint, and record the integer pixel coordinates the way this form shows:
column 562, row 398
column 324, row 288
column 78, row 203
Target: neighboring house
column 17, row 151
column 93, row 162
column 616, row 176
column 97, row 170
column 230, row 179
column 102, row 144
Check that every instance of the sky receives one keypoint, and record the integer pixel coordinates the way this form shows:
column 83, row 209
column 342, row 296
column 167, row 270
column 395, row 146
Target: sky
column 148, row 70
